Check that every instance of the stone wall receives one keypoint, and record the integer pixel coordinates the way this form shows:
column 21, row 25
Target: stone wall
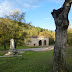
column 40, row 41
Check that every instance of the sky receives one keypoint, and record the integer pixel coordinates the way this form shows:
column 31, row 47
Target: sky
column 38, row 12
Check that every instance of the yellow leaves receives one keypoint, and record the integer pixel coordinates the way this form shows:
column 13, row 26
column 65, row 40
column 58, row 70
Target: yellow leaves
column 49, row 34
column 2, row 38
column 20, row 34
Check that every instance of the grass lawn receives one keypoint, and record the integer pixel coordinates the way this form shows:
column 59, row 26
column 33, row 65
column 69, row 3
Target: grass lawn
column 33, row 62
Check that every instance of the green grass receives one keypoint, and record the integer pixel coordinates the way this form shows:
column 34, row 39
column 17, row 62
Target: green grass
column 25, row 47
column 18, row 47
column 69, row 58
column 33, row 62
column 2, row 48
column 2, row 53
column 29, row 62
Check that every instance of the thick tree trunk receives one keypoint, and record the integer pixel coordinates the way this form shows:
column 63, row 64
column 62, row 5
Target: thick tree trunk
column 61, row 21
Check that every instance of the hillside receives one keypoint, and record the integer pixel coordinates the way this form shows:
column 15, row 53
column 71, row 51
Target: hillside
column 31, row 30
column 20, row 31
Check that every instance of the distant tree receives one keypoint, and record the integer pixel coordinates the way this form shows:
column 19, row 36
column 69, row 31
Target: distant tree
column 17, row 27
column 12, row 27
column 16, row 16
column 4, row 34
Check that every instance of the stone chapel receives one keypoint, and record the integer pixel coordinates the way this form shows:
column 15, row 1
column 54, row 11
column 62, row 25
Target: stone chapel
column 38, row 41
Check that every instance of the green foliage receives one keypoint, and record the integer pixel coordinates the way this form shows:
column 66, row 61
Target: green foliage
column 16, row 16
column 8, row 30
column 50, row 34
column 69, row 36
column 51, row 41
column 21, row 31
column 12, row 27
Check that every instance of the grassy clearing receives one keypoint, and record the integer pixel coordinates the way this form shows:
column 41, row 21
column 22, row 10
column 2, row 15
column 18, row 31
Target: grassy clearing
column 33, row 62
column 29, row 62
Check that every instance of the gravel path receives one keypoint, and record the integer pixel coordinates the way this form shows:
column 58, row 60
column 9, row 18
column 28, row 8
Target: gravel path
column 38, row 49
column 31, row 49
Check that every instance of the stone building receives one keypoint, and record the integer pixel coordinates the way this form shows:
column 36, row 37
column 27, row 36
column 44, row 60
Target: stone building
column 38, row 41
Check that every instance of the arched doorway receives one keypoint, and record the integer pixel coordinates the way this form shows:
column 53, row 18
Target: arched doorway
column 40, row 43
column 45, row 42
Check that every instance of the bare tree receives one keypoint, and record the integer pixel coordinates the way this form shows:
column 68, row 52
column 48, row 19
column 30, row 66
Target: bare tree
column 61, row 21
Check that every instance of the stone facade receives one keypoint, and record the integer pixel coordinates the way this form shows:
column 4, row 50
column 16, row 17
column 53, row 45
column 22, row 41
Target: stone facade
column 38, row 41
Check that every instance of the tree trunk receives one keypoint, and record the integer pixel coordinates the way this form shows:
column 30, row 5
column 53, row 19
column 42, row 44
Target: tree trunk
column 61, row 21
column 4, row 46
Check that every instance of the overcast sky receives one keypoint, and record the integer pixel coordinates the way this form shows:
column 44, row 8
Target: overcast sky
column 38, row 12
